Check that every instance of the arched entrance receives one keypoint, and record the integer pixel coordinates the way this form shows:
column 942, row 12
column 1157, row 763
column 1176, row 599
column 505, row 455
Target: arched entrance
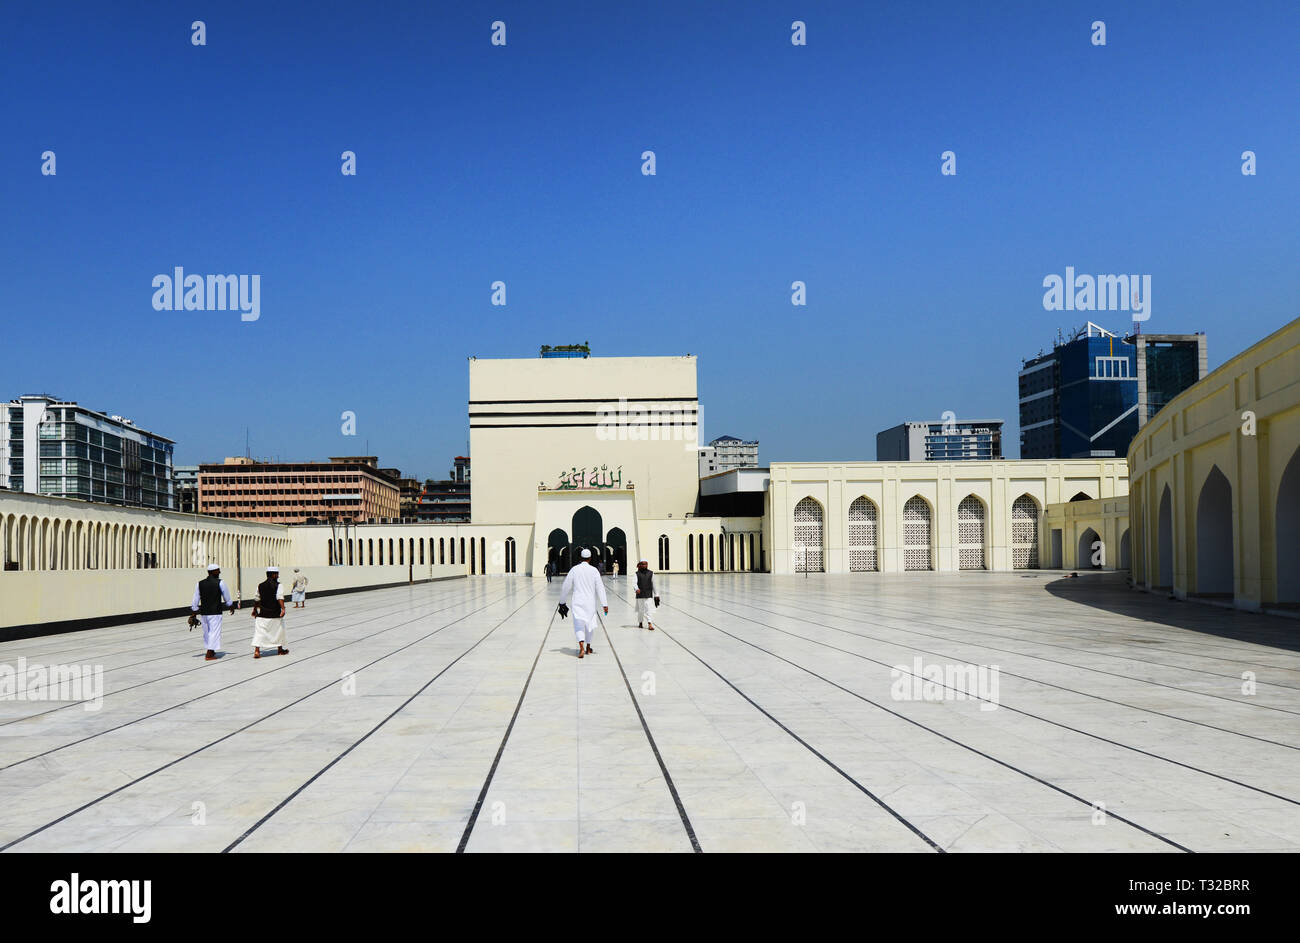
column 588, row 534
column 1286, row 534
column 1165, row 541
column 616, row 545
column 1125, row 552
column 557, row 550
column 1084, row 558
column 1214, row 536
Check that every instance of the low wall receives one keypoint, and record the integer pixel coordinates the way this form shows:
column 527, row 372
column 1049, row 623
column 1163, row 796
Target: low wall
column 49, row 602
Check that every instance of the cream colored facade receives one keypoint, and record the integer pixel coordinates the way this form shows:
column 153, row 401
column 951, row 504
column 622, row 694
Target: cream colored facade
column 1216, row 483
column 1089, row 535
column 531, row 421
column 945, row 516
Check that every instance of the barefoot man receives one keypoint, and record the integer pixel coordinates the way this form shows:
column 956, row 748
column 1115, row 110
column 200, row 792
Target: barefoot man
column 581, row 587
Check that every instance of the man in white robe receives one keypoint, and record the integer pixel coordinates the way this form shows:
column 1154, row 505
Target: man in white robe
column 646, row 592
column 211, row 595
column 268, row 614
column 582, row 587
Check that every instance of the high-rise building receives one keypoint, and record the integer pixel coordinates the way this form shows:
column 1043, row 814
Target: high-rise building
column 185, row 488
column 1167, row 364
column 349, row 488
column 55, row 447
column 725, row 453
column 941, row 441
column 1082, row 399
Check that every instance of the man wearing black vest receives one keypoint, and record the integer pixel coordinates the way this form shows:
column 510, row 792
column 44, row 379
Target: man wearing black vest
column 211, row 595
column 268, row 614
column 645, row 591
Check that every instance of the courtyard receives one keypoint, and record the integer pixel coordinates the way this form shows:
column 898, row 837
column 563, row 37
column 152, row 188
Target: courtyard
column 765, row 713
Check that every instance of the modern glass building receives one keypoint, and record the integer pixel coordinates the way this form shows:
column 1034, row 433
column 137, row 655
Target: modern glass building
column 53, row 447
column 953, row 441
column 1167, row 364
column 1082, row 399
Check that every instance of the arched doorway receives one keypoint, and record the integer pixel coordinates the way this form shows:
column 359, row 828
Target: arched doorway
column 1125, row 552
column 916, row 534
column 557, row 550
column 1088, row 557
column 1024, row 533
column 1214, row 536
column 616, row 543
column 807, row 542
column 1286, row 533
column 862, row 536
column 1165, row 541
column 970, row 533
column 588, row 534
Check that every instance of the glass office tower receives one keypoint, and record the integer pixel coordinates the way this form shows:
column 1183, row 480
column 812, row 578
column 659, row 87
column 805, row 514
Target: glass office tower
column 57, row 448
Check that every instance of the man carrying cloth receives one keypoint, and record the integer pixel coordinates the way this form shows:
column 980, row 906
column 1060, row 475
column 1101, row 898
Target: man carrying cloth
column 268, row 614
column 211, row 595
column 645, row 591
column 583, row 584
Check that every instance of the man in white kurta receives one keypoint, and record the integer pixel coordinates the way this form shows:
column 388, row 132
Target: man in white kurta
column 211, row 595
column 646, row 593
column 582, row 587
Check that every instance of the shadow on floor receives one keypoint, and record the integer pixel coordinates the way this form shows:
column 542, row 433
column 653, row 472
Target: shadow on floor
column 1111, row 592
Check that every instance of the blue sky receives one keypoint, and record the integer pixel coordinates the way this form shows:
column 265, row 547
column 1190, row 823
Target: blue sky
column 522, row 163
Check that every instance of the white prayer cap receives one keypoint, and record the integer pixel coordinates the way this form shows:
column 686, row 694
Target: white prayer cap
column 586, row 554
column 273, row 569
column 212, row 567
column 644, row 560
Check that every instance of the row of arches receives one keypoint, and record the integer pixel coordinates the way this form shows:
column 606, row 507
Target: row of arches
column 808, row 534
column 1190, row 543
column 36, row 542
column 1213, row 528
column 718, row 553
column 421, row 551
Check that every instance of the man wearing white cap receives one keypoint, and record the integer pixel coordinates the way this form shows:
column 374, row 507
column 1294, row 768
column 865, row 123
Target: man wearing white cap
column 268, row 614
column 645, row 591
column 211, row 595
column 581, row 587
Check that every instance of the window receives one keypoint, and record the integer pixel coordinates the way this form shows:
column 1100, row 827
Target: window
column 1112, row 368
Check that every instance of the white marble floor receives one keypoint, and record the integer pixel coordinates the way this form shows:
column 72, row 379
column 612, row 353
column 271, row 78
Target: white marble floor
column 764, row 714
